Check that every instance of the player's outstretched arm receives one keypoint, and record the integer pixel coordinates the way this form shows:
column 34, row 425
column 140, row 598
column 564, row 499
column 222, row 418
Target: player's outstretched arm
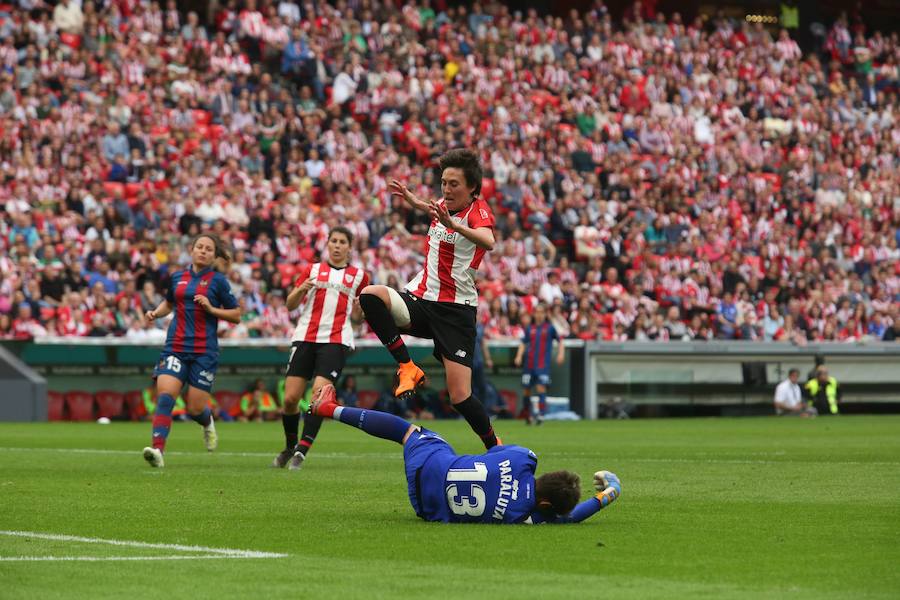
column 400, row 190
column 608, row 487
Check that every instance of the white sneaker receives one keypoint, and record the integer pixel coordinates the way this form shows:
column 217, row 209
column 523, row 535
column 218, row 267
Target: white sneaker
column 210, row 438
column 154, row 457
column 296, row 461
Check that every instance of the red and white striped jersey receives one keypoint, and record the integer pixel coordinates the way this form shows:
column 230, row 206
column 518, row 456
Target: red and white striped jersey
column 451, row 260
column 325, row 317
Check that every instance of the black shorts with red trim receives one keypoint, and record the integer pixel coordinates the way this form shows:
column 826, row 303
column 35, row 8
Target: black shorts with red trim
column 450, row 325
column 323, row 360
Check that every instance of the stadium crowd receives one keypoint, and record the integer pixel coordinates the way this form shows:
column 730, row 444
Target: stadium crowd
column 652, row 178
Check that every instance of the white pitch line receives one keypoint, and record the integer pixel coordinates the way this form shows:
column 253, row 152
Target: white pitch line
column 106, row 558
column 226, row 552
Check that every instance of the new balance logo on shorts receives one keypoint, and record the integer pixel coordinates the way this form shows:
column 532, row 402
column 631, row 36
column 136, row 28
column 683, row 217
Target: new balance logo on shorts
column 461, row 353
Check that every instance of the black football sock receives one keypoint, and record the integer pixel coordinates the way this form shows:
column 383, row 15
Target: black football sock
column 311, row 425
column 475, row 414
column 291, row 424
column 382, row 323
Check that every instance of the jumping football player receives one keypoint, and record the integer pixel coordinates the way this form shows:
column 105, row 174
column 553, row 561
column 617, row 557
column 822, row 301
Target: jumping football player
column 440, row 303
column 322, row 340
column 498, row 486
column 199, row 296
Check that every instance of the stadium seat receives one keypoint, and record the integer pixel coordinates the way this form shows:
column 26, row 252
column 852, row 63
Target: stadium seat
column 511, row 399
column 307, row 254
column 71, row 40
column 366, row 399
column 202, row 117
column 488, row 188
column 135, row 402
column 113, row 188
column 109, row 404
column 56, row 406
column 132, row 189
column 229, row 402
column 287, row 271
column 81, row 406
column 445, row 407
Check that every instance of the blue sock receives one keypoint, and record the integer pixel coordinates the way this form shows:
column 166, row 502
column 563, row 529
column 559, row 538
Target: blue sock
column 204, row 418
column 542, row 403
column 373, row 422
column 162, row 420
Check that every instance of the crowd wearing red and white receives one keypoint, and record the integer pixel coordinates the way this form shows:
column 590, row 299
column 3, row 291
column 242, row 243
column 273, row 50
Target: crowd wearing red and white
column 652, row 178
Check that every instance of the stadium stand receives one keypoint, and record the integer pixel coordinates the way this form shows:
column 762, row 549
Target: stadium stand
column 654, row 179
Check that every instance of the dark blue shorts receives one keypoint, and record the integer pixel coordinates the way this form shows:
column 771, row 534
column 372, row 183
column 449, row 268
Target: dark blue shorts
column 197, row 370
column 427, row 457
column 532, row 377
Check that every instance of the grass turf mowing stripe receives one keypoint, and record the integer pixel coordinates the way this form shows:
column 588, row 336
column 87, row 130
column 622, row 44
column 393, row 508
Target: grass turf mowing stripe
column 344, row 455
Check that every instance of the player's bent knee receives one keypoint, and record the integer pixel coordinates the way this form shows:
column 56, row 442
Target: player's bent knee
column 459, row 394
column 398, row 308
column 379, row 291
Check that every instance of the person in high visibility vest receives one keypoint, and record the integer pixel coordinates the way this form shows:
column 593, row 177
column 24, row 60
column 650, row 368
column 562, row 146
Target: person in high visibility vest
column 178, row 412
column 258, row 404
column 824, row 392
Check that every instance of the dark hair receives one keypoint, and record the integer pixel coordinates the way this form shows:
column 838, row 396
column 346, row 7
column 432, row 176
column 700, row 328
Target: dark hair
column 558, row 492
column 222, row 251
column 342, row 230
column 464, row 159
column 793, row 372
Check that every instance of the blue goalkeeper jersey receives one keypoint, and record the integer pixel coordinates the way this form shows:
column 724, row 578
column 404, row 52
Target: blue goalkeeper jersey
column 494, row 487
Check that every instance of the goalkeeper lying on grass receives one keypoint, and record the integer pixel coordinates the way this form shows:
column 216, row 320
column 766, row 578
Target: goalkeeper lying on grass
column 495, row 487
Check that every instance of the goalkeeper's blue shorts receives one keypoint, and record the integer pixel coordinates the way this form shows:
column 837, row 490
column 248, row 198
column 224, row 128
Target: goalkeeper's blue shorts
column 426, row 456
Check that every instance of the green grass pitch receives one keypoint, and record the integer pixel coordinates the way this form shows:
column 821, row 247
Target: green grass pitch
column 715, row 508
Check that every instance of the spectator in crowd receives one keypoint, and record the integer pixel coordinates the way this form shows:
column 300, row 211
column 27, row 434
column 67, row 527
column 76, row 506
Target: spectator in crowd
column 347, row 392
column 666, row 164
column 257, row 404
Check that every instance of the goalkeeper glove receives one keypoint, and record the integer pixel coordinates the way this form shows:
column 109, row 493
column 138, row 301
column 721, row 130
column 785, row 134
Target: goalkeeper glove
column 608, row 487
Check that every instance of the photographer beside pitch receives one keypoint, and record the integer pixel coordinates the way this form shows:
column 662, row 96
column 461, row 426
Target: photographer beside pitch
column 789, row 398
column 498, row 486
